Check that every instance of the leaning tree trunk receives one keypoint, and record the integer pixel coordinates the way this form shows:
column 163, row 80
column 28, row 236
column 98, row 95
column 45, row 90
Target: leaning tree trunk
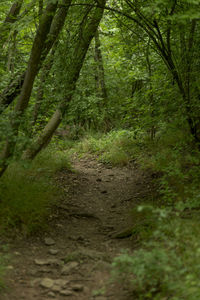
column 10, row 19
column 87, row 31
column 44, row 73
column 31, row 72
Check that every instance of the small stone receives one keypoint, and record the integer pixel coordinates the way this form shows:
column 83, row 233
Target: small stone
column 77, row 287
column 40, row 262
column 51, row 294
column 45, row 270
column 53, row 251
column 66, row 293
column 10, row 268
column 47, row 283
column 56, row 288
column 35, row 282
column 69, row 267
column 61, row 282
column 43, row 262
column 49, row 241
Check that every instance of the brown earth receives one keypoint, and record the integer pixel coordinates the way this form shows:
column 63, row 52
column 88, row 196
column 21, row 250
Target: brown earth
column 72, row 259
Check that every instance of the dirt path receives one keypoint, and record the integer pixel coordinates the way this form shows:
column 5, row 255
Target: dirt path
column 72, row 260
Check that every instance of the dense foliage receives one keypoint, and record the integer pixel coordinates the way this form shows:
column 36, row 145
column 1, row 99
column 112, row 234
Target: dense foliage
column 121, row 77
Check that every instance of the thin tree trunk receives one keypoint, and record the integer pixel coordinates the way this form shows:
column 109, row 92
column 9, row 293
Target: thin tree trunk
column 99, row 76
column 153, row 30
column 40, row 91
column 87, row 32
column 9, row 20
column 11, row 53
column 151, row 95
column 14, row 12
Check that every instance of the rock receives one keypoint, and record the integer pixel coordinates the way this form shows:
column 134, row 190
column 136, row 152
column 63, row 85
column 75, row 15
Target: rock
column 53, row 251
column 61, row 282
column 77, row 287
column 46, row 270
column 10, row 268
column 50, row 261
column 66, row 293
column 69, row 267
column 51, row 294
column 49, row 241
column 35, row 282
column 47, row 283
column 56, row 288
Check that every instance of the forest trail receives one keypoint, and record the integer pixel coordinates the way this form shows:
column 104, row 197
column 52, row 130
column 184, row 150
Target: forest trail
column 72, row 260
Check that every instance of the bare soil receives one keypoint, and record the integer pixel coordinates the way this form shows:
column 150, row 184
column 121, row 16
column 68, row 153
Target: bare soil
column 72, row 260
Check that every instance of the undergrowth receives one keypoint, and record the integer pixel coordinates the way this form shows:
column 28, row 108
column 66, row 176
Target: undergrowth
column 27, row 193
column 4, row 259
column 167, row 266
column 115, row 148
column 2, row 271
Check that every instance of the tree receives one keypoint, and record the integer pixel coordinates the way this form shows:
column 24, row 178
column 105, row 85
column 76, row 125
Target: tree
column 172, row 28
column 50, row 24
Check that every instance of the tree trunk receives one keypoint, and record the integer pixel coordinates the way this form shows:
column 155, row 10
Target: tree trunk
column 88, row 29
column 10, row 19
column 99, row 76
column 151, row 95
column 14, row 12
column 40, row 91
column 32, row 70
column 165, row 51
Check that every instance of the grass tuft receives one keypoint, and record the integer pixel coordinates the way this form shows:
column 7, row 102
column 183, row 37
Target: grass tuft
column 28, row 192
column 115, row 148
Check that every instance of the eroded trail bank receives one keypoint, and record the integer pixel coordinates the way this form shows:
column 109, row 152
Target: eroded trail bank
column 72, row 259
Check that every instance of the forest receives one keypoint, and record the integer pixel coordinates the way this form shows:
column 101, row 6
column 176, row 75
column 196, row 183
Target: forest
column 99, row 149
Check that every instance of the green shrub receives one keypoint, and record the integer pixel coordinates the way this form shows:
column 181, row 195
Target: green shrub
column 51, row 160
column 168, row 266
